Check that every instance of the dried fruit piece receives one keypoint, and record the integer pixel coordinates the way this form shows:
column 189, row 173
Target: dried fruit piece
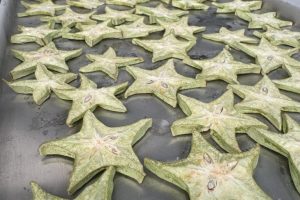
column 280, row 37
column 167, row 47
column 45, row 82
column 218, row 116
column 181, row 28
column 233, row 6
column 228, row 176
column 260, row 20
column 163, row 82
column 42, row 35
column 223, row 67
column 48, row 55
column 231, row 38
column 117, row 17
column 138, row 29
column 109, row 63
column 93, row 34
column 268, row 56
column 89, row 97
column 189, row 4
column 70, row 18
column 264, row 98
column 97, row 146
column 88, row 4
column 160, row 12
column 130, row 3
column 46, row 7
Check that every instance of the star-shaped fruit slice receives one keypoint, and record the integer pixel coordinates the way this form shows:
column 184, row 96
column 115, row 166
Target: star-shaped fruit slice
column 163, row 82
column 89, row 97
column 233, row 6
column 46, row 7
column 268, row 56
column 160, row 12
column 100, row 189
column 222, row 67
column 167, row 47
column 117, row 17
column 280, row 37
column 264, row 98
column 291, row 83
column 129, row 3
column 189, row 4
column 93, row 34
column 181, row 28
column 45, row 82
column 97, row 146
column 70, row 18
column 208, row 174
column 109, row 63
column 231, row 38
column 41, row 35
column 218, row 116
column 88, row 4
column 138, row 29
column 260, row 20
column 287, row 144
column 48, row 55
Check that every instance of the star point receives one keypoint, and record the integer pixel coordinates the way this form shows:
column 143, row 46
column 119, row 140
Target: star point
column 97, row 146
column 218, row 116
column 164, row 82
column 48, row 55
column 208, row 174
column 109, row 63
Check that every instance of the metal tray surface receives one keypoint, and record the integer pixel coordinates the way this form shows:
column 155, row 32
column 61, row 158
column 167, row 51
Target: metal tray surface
column 24, row 125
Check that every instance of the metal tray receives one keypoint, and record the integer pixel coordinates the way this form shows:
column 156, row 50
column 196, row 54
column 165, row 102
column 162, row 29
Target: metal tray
column 24, row 125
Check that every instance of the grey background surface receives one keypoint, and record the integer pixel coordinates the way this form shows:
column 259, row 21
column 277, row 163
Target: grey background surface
column 24, row 125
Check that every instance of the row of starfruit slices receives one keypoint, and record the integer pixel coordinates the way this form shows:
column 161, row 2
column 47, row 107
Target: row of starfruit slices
column 162, row 83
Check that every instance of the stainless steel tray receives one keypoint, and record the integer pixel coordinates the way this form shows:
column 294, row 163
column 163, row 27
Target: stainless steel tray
column 24, row 125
